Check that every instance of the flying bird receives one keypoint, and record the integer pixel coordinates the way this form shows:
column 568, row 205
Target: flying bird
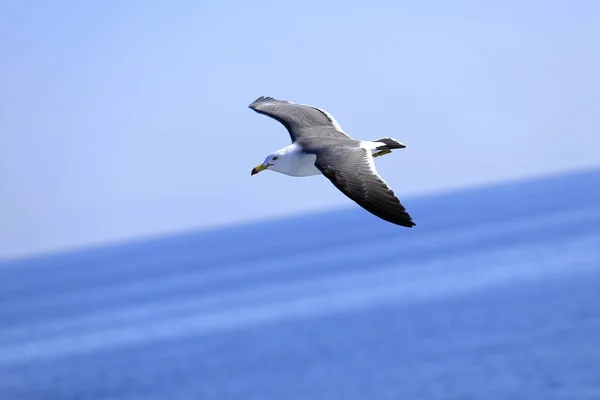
column 320, row 146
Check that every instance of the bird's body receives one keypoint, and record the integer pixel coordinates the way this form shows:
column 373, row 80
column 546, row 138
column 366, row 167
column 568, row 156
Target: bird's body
column 294, row 161
column 298, row 160
column 320, row 146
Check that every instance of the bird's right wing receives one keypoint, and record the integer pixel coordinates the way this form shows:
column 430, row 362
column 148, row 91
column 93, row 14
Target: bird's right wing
column 300, row 120
column 352, row 170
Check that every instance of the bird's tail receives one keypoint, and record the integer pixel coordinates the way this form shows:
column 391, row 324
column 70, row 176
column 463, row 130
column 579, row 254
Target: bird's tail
column 389, row 144
column 385, row 146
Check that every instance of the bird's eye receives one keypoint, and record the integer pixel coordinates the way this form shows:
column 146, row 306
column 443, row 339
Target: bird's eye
column 275, row 158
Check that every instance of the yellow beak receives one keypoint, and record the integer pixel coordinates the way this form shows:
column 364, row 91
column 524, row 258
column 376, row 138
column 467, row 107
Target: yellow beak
column 258, row 168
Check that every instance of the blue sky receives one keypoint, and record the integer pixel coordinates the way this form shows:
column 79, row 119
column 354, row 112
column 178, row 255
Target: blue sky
column 124, row 118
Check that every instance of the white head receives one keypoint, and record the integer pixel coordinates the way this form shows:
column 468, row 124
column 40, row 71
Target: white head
column 278, row 162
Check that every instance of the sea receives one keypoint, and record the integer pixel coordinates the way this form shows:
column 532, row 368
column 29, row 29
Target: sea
column 495, row 294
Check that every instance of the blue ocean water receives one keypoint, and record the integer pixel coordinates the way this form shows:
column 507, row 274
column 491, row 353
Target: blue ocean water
column 494, row 295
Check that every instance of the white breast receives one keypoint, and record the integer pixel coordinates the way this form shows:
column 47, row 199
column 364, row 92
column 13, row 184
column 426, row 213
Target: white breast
column 294, row 162
column 305, row 165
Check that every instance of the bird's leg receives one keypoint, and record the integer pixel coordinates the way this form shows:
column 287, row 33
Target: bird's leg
column 382, row 153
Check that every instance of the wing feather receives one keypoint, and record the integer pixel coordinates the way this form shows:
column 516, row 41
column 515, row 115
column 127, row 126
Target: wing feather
column 352, row 171
column 301, row 120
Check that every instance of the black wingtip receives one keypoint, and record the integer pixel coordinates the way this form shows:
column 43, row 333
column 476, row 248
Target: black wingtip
column 259, row 101
column 407, row 224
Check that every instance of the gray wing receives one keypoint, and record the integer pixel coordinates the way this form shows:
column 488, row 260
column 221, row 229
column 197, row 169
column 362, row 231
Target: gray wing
column 300, row 120
column 352, row 170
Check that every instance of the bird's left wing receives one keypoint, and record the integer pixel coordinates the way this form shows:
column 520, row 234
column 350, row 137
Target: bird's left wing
column 352, row 171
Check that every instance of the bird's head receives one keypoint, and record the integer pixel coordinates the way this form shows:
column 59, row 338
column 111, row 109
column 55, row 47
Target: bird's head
column 272, row 161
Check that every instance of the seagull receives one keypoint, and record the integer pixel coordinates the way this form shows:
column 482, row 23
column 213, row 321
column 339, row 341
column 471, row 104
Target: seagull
column 320, row 146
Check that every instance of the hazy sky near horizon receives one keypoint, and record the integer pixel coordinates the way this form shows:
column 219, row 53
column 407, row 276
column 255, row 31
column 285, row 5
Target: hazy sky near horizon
column 128, row 118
